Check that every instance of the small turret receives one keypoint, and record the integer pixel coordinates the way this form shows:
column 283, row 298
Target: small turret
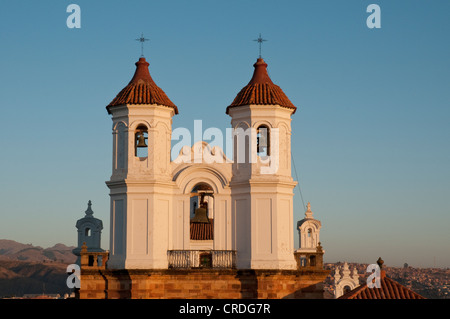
column 89, row 233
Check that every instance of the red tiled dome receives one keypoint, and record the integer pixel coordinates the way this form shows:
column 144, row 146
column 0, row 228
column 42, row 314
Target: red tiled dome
column 389, row 289
column 261, row 90
column 142, row 90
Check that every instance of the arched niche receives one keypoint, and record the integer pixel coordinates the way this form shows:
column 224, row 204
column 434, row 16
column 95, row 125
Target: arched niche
column 187, row 177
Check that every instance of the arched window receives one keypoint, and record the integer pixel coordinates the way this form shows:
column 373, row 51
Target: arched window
column 200, row 194
column 87, row 232
column 263, row 141
column 202, row 212
column 309, row 232
column 141, row 141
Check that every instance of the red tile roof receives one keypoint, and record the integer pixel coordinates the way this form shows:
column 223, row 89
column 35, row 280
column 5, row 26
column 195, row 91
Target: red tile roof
column 390, row 289
column 261, row 90
column 202, row 231
column 142, row 90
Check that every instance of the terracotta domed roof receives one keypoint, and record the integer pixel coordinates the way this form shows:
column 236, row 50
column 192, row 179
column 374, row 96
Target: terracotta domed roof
column 261, row 90
column 389, row 289
column 142, row 90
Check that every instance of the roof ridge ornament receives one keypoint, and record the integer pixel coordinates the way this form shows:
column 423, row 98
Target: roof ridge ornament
column 89, row 211
column 380, row 262
column 308, row 213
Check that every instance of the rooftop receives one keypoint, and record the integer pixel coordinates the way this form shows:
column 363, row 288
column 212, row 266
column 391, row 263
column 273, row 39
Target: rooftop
column 142, row 90
column 261, row 90
column 389, row 289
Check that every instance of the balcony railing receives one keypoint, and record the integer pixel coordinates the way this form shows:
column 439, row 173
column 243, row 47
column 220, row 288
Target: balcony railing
column 185, row 259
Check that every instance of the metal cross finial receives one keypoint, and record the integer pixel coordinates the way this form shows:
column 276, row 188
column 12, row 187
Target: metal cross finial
column 260, row 41
column 142, row 40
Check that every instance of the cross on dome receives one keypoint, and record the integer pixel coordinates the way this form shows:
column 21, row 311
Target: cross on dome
column 260, row 40
column 142, row 40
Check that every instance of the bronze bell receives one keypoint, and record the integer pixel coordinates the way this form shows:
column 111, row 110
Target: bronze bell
column 141, row 140
column 201, row 215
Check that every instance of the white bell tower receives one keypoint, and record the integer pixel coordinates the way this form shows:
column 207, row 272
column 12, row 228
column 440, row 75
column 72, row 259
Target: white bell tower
column 309, row 232
column 262, row 185
column 140, row 186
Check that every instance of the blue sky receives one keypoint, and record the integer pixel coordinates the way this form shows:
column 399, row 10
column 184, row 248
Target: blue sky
column 370, row 137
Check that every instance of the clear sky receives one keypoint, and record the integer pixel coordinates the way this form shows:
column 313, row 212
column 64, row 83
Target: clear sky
column 370, row 136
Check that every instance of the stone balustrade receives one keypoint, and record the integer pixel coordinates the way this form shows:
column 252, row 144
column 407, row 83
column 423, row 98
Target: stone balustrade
column 185, row 259
column 93, row 260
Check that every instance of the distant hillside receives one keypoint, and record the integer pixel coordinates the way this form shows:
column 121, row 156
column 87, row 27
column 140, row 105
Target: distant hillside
column 18, row 278
column 28, row 269
column 12, row 250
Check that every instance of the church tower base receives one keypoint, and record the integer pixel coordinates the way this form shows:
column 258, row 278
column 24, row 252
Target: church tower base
column 201, row 284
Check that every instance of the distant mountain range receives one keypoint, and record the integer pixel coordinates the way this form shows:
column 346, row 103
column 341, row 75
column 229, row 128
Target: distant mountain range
column 12, row 250
column 28, row 269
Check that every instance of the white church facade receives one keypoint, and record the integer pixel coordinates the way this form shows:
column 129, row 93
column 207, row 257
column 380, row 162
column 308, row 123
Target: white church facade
column 225, row 215
column 151, row 196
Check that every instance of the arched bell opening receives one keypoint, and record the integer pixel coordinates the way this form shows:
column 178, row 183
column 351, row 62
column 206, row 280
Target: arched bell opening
column 141, row 141
column 308, row 236
column 202, row 212
column 263, row 141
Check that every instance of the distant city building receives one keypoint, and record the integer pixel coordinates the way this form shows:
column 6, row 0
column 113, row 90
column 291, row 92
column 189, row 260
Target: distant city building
column 40, row 296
